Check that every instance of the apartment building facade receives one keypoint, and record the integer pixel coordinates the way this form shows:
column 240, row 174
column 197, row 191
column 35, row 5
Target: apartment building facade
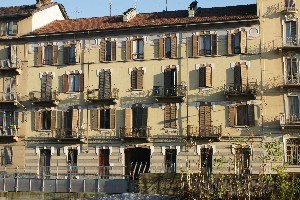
column 159, row 92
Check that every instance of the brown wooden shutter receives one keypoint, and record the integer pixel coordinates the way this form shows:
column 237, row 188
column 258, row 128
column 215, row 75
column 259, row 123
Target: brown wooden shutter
column 244, row 76
column 113, row 50
column 81, row 82
column 53, row 120
column 237, row 76
column 145, row 117
column 94, row 119
column 128, row 50
column 140, row 76
column 208, row 76
column 75, row 118
column 102, row 50
column 243, row 44
column 102, row 84
column 65, row 86
column 3, row 29
column 161, row 47
column 128, row 120
column 39, row 57
column 107, row 85
column 55, row 54
column 43, row 86
column 173, row 46
column 134, row 79
column 202, row 76
column 13, row 55
column 196, row 43
column 173, row 116
column 38, row 120
column 78, row 52
column 66, row 54
column 49, row 86
column 214, row 44
column 112, row 118
column 204, row 117
column 232, row 116
column 251, row 115
column 168, row 116
column 229, row 43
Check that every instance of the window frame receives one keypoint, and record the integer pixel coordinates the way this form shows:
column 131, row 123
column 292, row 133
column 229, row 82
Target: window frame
column 4, row 156
column 137, row 78
column 292, row 150
column 170, row 121
column 248, row 118
column 138, row 46
column 242, row 159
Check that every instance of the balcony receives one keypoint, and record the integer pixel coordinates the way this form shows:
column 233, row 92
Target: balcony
column 96, row 97
column 291, row 43
column 6, row 65
column 209, row 132
column 69, row 136
column 43, row 98
column 135, row 133
column 239, row 92
column 174, row 94
column 289, row 121
column 9, row 134
column 167, row 135
column 292, row 81
column 9, row 99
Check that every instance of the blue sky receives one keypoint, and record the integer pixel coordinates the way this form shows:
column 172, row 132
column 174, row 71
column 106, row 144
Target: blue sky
column 99, row 8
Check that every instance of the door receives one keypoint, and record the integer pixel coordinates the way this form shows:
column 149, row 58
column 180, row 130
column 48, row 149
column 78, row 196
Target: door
column 44, row 163
column 72, row 162
column 137, row 161
column 104, row 163
column 170, row 82
column 170, row 160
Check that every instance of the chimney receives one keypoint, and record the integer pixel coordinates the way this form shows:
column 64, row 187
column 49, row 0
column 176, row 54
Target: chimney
column 193, row 8
column 129, row 14
column 40, row 3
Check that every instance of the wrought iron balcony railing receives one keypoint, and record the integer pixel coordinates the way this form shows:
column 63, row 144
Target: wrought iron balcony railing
column 37, row 96
column 293, row 41
column 293, row 79
column 9, row 96
column 97, row 94
column 175, row 91
column 289, row 120
column 8, row 64
column 250, row 89
column 204, row 132
column 69, row 134
column 11, row 130
column 139, row 133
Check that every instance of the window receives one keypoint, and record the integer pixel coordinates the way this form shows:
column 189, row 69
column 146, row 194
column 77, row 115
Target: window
column 170, row 116
column 240, row 77
column 291, row 33
column 292, row 71
column 241, row 115
column 44, row 162
column 105, row 84
column 12, row 56
column 293, row 106
column 9, row 28
column 290, row 5
column 206, row 160
column 237, row 42
column 46, row 86
column 170, row 81
column 205, row 120
column 104, row 163
column 135, row 49
column 242, row 160
column 293, row 151
column 72, row 53
column 204, row 44
column 167, row 46
column 68, row 123
column 205, row 75
column 136, row 121
column 45, row 120
column 137, row 75
column 107, row 50
column 9, row 92
column 47, row 55
column 103, row 118
column 170, row 160
column 73, row 82
column 9, row 121
column 6, row 156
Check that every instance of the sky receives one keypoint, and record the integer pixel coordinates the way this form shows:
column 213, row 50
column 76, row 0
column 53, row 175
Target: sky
column 100, row 8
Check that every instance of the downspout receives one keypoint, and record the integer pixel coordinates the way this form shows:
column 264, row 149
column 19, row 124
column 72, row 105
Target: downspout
column 87, row 111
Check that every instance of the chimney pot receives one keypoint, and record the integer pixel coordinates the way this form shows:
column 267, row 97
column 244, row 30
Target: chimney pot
column 40, row 3
column 193, row 8
column 129, row 14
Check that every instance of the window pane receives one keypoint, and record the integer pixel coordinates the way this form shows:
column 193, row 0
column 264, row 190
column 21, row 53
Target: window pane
column 168, row 47
column 293, row 105
column 108, row 51
column 237, row 40
column 73, row 53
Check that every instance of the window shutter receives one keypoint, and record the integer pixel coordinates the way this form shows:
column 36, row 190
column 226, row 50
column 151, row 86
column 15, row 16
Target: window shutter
column 204, row 117
column 102, row 49
column 243, row 44
column 202, row 76
column 168, row 79
column 39, row 57
column 214, row 44
column 244, row 76
column 112, row 118
column 107, row 80
column 208, row 76
column 101, row 84
column 173, row 116
column 55, row 54
column 134, row 79
column 229, row 43
column 161, row 47
column 65, row 86
column 43, row 86
column 75, row 117
column 53, row 120
column 232, row 116
column 94, row 119
column 145, row 117
column 66, row 54
column 196, row 43
column 81, row 82
column 113, row 50
column 128, row 120
column 14, row 28
column 140, row 76
column 237, row 76
column 168, row 117
column 128, row 50
column 38, row 124
column 78, row 52
column 48, row 91
column 13, row 55
column 251, row 115
column 173, row 46
column 293, row 29
column 3, row 29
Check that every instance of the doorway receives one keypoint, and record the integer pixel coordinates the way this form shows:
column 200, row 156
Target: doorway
column 104, row 163
column 44, row 163
column 137, row 161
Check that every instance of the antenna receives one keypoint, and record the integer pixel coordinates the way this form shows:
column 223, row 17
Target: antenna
column 76, row 12
column 166, row 5
column 109, row 7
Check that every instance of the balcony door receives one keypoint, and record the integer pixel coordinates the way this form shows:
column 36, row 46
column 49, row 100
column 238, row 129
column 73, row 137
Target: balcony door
column 44, row 163
column 293, row 107
column 104, row 163
column 170, row 81
column 72, row 161
column 9, row 88
column 292, row 71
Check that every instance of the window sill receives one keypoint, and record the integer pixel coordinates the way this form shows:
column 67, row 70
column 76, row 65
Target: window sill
column 205, row 88
column 245, row 126
column 170, row 130
column 46, row 131
column 137, row 91
column 73, row 92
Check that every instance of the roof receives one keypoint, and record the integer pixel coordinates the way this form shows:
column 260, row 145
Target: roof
column 229, row 13
column 27, row 10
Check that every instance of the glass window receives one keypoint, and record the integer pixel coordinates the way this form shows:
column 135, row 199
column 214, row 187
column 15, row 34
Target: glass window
column 105, row 118
column 168, row 47
column 74, row 83
column 72, row 53
column 242, row 160
column 108, row 51
column 46, row 120
column 293, row 102
column 138, row 49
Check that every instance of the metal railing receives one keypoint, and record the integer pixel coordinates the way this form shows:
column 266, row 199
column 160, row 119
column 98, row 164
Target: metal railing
column 160, row 91
column 250, row 88
column 9, row 96
column 68, row 133
column 43, row 96
column 289, row 119
column 138, row 55
column 10, row 64
column 143, row 132
column 95, row 94
column 11, row 130
column 293, row 41
column 293, row 79
column 207, row 131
